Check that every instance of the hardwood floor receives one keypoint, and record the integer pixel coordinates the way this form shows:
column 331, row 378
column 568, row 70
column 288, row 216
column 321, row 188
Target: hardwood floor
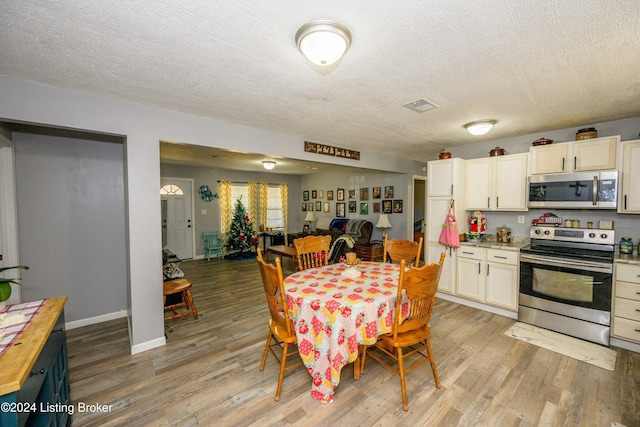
column 208, row 374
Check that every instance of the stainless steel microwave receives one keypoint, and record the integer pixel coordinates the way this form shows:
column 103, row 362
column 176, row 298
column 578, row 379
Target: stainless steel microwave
column 582, row 190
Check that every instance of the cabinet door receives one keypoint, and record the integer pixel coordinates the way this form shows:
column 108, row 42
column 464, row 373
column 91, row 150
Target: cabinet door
column 447, row 276
column 470, row 278
column 440, row 178
column 478, row 185
column 437, row 209
column 510, row 182
column 595, row 154
column 550, row 158
column 502, row 285
column 630, row 200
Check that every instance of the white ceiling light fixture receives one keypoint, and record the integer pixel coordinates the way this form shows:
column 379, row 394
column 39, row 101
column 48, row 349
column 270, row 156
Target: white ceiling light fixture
column 268, row 164
column 323, row 42
column 480, row 128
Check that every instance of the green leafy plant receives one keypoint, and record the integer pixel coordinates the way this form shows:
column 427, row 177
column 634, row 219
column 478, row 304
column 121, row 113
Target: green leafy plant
column 5, row 284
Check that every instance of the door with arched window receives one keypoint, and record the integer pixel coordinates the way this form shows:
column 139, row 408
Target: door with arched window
column 177, row 222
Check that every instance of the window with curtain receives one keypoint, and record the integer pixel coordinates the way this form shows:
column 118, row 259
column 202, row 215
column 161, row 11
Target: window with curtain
column 274, row 208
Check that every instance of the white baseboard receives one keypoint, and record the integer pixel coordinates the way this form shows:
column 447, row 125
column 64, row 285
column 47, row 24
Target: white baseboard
column 98, row 319
column 148, row 345
column 485, row 307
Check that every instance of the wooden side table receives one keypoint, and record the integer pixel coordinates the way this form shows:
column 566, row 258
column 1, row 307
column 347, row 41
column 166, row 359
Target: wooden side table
column 370, row 252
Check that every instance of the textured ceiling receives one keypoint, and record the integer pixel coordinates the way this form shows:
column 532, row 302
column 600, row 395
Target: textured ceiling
column 531, row 65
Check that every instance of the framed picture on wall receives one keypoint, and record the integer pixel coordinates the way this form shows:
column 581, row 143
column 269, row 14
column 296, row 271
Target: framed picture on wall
column 320, row 194
column 352, row 194
column 340, row 212
column 387, row 206
column 377, row 193
column 330, row 195
column 318, row 206
column 305, row 195
column 340, row 194
column 310, row 206
column 304, row 207
column 352, row 206
column 364, row 208
column 397, row 206
column 376, row 207
column 388, row 192
column 326, row 207
column 364, row 194
column 314, row 194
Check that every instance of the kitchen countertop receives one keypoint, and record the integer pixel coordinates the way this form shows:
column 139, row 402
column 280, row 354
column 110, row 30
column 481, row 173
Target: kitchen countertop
column 489, row 241
column 626, row 258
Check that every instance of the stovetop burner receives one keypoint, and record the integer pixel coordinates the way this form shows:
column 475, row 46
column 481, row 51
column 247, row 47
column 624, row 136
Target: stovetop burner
column 576, row 243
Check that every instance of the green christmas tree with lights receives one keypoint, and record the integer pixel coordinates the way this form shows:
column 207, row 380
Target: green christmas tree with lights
column 242, row 236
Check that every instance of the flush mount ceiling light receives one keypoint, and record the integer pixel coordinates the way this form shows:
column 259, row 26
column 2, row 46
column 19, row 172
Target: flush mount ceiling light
column 480, row 128
column 323, row 42
column 268, row 164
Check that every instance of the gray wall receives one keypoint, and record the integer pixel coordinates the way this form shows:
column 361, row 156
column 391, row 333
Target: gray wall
column 354, row 181
column 625, row 225
column 70, row 202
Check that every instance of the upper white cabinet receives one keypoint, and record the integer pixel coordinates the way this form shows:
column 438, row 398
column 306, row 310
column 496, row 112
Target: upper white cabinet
column 595, row 154
column 445, row 177
column 630, row 195
column 552, row 158
column 585, row 155
column 497, row 183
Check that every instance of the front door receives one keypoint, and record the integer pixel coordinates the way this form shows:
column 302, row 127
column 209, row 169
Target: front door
column 177, row 221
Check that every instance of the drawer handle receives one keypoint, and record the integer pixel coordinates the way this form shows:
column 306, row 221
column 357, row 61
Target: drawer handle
column 468, row 253
column 637, row 330
column 501, row 257
column 40, row 372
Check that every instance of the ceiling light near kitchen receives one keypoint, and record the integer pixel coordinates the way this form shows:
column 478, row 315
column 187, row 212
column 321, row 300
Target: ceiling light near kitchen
column 480, row 128
column 268, row 164
column 323, row 42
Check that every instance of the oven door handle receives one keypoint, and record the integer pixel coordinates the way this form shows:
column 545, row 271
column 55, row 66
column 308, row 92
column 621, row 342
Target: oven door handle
column 578, row 265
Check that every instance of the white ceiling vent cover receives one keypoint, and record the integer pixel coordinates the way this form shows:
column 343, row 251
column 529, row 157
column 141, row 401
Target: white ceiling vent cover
column 420, row 105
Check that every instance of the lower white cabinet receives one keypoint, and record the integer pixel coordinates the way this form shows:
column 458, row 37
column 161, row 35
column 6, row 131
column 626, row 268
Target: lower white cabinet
column 626, row 304
column 448, row 275
column 489, row 276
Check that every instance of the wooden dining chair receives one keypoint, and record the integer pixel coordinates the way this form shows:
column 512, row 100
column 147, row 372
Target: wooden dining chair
column 410, row 329
column 281, row 331
column 312, row 251
column 402, row 249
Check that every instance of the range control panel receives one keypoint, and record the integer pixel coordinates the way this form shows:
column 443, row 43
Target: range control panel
column 582, row 235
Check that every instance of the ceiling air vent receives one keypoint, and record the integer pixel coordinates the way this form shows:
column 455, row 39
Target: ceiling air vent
column 420, row 105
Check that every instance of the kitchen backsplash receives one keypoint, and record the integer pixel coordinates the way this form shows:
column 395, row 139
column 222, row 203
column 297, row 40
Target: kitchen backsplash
column 624, row 225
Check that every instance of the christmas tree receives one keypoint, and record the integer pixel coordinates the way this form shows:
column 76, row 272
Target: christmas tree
column 242, row 237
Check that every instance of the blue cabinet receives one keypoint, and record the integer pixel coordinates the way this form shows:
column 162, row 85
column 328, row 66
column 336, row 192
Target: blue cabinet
column 44, row 398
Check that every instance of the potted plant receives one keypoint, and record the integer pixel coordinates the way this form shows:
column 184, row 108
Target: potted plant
column 5, row 285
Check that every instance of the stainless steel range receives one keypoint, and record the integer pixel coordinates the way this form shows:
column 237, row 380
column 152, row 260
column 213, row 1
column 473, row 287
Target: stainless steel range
column 566, row 280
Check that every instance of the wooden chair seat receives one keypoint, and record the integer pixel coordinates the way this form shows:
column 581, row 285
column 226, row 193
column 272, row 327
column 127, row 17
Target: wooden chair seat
column 183, row 287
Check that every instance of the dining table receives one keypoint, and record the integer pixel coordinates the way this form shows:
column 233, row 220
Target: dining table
column 335, row 308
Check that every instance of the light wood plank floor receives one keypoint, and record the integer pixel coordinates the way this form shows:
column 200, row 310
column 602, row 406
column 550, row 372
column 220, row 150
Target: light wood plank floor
column 208, row 374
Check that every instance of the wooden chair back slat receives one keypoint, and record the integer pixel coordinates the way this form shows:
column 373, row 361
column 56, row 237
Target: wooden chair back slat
column 402, row 249
column 312, row 251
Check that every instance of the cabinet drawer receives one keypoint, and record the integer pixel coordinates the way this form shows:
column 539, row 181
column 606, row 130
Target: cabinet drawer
column 628, row 290
column 628, row 309
column 505, row 257
column 472, row 252
column 627, row 329
column 628, row 273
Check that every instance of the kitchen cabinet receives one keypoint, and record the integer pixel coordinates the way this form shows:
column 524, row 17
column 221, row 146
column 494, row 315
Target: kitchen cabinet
column 447, row 282
column 630, row 194
column 626, row 304
column 497, row 183
column 550, row 158
column 445, row 178
column 489, row 276
column 471, row 268
column 576, row 156
column 503, row 278
column 445, row 183
column 35, row 372
column 594, row 154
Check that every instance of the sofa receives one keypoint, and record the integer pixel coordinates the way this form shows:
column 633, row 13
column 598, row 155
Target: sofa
column 359, row 229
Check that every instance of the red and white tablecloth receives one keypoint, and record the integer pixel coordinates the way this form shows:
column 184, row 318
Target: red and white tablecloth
column 333, row 313
column 11, row 333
